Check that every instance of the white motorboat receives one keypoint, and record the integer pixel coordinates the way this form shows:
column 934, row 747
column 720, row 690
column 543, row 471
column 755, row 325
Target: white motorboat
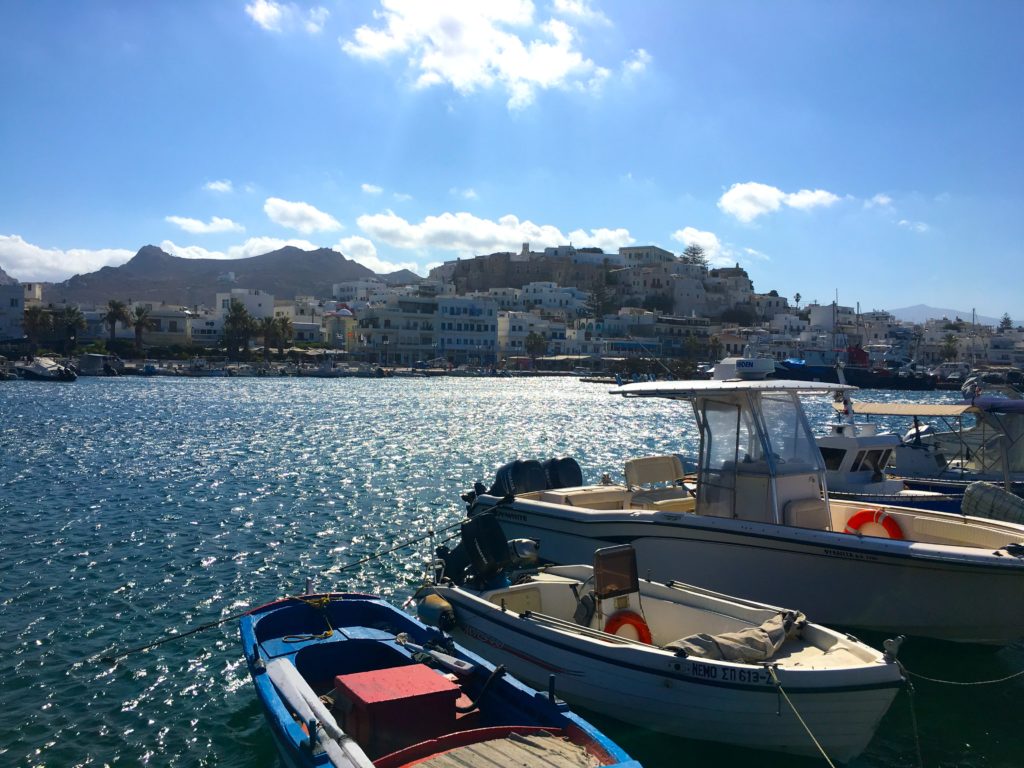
column 760, row 524
column 982, row 439
column 669, row 657
column 44, row 369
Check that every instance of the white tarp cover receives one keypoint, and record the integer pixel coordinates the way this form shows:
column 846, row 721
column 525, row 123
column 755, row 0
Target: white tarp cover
column 744, row 645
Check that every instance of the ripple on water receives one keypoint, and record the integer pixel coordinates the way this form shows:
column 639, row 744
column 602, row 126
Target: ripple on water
column 135, row 508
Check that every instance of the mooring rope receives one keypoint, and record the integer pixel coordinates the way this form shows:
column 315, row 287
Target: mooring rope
column 782, row 691
column 111, row 658
column 964, row 683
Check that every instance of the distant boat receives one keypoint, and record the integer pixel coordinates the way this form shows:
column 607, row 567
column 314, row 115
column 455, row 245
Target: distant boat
column 44, row 369
column 352, row 682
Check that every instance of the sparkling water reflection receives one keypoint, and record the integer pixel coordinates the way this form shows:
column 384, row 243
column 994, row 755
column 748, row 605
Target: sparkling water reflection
column 133, row 508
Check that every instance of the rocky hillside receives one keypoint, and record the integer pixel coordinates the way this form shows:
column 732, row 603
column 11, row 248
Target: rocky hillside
column 153, row 274
column 6, row 279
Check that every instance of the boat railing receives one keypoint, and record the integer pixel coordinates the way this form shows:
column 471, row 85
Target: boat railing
column 579, row 629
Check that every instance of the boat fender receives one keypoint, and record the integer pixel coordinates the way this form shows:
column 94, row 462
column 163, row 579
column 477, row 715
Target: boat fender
column 436, row 611
column 628, row 619
column 878, row 516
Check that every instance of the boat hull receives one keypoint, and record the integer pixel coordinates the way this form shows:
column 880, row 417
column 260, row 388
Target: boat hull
column 730, row 703
column 958, row 594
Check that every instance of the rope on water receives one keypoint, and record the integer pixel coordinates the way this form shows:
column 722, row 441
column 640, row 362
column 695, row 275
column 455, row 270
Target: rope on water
column 913, row 718
column 782, row 692
column 961, row 682
column 112, row 657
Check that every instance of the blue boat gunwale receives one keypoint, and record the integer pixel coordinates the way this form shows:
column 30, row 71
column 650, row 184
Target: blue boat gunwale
column 293, row 736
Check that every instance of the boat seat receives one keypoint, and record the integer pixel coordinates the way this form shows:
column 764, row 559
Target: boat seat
column 956, row 533
column 589, row 497
column 653, row 469
column 808, row 513
column 643, row 473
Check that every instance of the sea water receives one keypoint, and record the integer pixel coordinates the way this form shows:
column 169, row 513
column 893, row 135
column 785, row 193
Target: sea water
column 136, row 508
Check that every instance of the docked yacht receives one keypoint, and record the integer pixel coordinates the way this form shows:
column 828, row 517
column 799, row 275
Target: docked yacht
column 44, row 369
column 759, row 524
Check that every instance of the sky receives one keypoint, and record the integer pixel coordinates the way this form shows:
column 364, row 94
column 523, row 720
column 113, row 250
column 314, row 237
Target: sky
column 867, row 151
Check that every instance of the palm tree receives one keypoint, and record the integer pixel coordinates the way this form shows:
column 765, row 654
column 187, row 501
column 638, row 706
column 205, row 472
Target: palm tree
column 238, row 327
column 267, row 328
column 36, row 323
column 285, row 329
column 536, row 345
column 141, row 321
column 117, row 312
column 797, row 300
column 68, row 321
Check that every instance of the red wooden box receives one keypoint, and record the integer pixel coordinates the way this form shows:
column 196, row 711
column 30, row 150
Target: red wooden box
column 396, row 707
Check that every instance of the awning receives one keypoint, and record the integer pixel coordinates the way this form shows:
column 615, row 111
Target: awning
column 907, row 409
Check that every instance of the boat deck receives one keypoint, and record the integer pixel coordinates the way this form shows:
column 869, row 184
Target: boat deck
column 522, row 751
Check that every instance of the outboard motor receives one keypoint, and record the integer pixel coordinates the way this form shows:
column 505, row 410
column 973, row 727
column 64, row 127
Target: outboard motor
column 563, row 473
column 519, row 476
column 484, row 554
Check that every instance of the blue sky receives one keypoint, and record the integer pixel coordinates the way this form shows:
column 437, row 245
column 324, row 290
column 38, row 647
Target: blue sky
column 870, row 150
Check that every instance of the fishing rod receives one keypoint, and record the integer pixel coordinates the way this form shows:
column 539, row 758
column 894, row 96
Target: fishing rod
column 111, row 658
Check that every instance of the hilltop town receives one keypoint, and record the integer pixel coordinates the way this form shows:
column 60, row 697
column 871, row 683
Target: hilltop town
column 563, row 306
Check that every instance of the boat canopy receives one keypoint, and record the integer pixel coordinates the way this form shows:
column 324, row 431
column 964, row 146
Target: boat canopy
column 907, row 409
column 687, row 390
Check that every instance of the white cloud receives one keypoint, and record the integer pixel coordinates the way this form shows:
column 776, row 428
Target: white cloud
column 31, row 263
column 371, row 189
column 402, row 197
column 880, row 200
column 810, row 198
column 302, row 217
column 223, row 185
column 467, row 234
column 274, row 16
column 315, row 19
column 580, row 10
column 197, row 227
column 638, row 63
column 363, row 251
column 751, row 199
column 717, row 254
column 267, row 13
column 913, row 226
column 473, row 45
column 468, row 194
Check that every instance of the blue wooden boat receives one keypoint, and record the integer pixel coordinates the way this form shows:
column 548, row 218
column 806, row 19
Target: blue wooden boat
column 350, row 681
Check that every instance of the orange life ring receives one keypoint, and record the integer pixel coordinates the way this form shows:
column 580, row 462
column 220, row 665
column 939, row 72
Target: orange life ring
column 631, row 619
column 865, row 516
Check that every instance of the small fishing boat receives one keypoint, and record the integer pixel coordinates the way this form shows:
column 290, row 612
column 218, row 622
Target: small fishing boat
column 350, row 681
column 669, row 657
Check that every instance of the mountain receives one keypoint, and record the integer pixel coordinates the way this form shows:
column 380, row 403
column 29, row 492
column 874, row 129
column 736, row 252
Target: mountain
column 6, row 279
column 919, row 313
column 155, row 275
column 401, row 277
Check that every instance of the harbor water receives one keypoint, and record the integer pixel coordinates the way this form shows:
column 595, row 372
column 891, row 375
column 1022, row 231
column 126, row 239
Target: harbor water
column 140, row 507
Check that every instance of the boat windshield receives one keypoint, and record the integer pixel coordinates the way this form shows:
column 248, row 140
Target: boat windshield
column 787, row 434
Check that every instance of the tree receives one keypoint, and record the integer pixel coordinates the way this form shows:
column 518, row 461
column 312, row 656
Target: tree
column 536, row 345
column 141, row 321
column 36, row 323
column 1005, row 323
column 117, row 312
column 267, row 328
column 284, row 333
column 797, row 298
column 68, row 321
column 694, row 254
column 949, row 348
column 239, row 327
